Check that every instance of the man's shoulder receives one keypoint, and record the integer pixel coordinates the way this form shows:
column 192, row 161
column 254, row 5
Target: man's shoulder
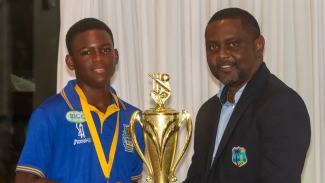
column 278, row 88
column 274, row 81
column 211, row 101
column 211, row 104
column 276, row 93
column 264, row 82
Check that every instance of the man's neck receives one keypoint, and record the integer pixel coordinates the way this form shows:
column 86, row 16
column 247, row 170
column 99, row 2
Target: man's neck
column 232, row 90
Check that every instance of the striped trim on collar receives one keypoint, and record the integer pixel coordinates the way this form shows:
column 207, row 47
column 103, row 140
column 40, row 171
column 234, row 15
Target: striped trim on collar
column 70, row 106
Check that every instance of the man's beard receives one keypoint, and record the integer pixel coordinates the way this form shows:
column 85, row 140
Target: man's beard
column 232, row 81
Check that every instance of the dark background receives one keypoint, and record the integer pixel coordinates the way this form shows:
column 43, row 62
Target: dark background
column 29, row 35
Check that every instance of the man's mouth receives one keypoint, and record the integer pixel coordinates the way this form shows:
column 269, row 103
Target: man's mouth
column 225, row 66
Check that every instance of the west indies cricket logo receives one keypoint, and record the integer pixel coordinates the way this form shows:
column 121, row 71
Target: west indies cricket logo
column 239, row 157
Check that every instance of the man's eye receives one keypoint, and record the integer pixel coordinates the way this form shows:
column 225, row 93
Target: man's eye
column 86, row 52
column 213, row 47
column 106, row 50
column 233, row 44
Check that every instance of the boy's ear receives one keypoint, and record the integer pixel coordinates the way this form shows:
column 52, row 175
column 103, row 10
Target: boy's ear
column 116, row 56
column 69, row 62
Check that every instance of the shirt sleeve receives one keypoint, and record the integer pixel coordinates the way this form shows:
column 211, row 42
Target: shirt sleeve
column 37, row 152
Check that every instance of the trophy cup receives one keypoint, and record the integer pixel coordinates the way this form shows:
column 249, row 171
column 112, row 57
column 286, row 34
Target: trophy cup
column 161, row 126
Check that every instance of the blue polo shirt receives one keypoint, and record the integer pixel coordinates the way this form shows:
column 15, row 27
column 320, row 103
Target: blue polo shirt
column 59, row 146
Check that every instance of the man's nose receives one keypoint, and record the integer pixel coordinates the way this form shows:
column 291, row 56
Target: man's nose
column 223, row 52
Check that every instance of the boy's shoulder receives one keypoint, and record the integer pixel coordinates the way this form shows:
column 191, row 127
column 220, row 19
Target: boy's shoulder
column 126, row 106
column 53, row 103
column 123, row 104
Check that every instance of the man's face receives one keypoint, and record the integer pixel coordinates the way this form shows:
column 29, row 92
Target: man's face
column 93, row 58
column 232, row 54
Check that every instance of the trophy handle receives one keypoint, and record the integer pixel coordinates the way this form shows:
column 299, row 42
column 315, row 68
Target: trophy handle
column 136, row 118
column 187, row 118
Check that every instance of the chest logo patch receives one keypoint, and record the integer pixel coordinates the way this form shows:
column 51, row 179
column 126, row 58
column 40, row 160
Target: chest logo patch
column 75, row 117
column 78, row 118
column 239, row 157
column 126, row 137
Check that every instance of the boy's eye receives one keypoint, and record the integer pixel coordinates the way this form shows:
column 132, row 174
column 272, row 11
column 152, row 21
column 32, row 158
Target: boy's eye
column 86, row 52
column 106, row 50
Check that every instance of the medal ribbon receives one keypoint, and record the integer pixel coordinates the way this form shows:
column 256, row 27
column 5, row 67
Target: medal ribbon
column 106, row 167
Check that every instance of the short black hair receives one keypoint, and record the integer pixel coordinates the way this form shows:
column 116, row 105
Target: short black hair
column 248, row 21
column 83, row 26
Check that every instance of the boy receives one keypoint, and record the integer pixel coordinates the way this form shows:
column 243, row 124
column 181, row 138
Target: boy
column 82, row 134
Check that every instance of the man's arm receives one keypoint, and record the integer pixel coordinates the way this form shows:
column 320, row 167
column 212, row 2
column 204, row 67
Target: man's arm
column 23, row 177
column 193, row 175
column 204, row 135
column 285, row 136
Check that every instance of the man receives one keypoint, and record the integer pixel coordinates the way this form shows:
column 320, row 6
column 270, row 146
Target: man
column 256, row 129
column 82, row 133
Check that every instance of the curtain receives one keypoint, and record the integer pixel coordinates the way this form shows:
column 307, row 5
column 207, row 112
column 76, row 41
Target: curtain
column 167, row 36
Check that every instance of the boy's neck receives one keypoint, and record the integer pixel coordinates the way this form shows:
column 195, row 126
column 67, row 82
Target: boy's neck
column 98, row 97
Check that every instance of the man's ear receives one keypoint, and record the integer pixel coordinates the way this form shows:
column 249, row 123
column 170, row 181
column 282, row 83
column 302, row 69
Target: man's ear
column 259, row 46
column 116, row 56
column 69, row 62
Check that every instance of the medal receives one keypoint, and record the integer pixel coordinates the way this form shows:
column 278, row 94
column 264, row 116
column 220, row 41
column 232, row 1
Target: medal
column 106, row 166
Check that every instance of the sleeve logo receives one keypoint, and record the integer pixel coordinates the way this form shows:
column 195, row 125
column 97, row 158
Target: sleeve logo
column 127, row 142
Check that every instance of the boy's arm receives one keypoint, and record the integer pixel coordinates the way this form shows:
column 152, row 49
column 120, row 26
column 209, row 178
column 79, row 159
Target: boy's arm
column 23, row 177
column 37, row 153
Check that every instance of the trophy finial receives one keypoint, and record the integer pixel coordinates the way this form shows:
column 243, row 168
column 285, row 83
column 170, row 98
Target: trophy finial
column 160, row 89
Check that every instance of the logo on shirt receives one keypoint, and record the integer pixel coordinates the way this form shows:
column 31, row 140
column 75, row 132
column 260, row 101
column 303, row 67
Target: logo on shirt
column 78, row 118
column 126, row 137
column 239, row 157
column 81, row 134
column 80, row 128
column 75, row 117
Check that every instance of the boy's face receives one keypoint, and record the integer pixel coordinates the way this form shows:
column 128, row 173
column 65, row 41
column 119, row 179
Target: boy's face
column 93, row 58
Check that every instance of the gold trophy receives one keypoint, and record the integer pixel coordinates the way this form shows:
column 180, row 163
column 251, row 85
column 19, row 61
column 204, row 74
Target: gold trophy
column 161, row 126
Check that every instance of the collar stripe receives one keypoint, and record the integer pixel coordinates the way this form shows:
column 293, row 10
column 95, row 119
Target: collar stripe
column 70, row 106
column 121, row 102
column 66, row 99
